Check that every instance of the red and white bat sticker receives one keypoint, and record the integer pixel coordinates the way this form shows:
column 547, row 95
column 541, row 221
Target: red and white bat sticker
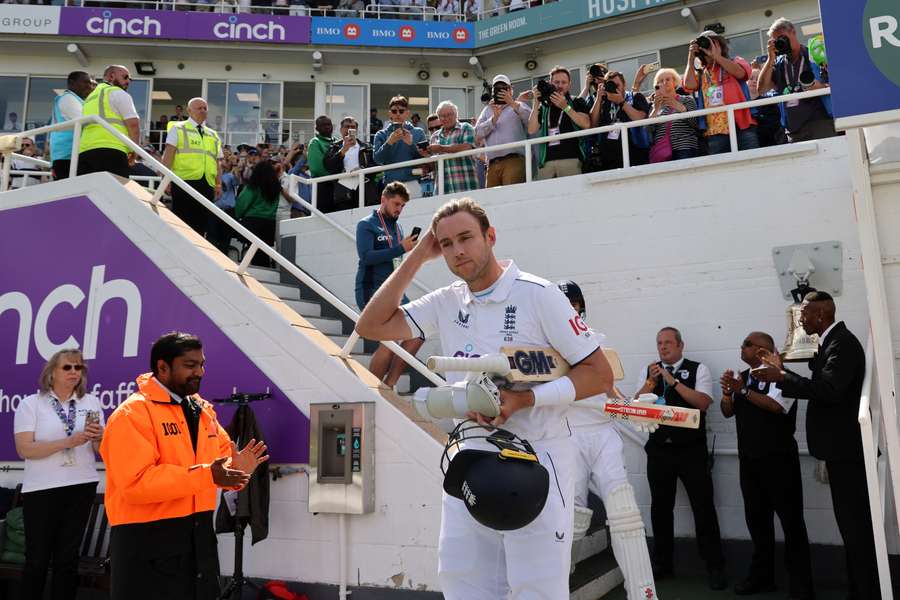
column 658, row 413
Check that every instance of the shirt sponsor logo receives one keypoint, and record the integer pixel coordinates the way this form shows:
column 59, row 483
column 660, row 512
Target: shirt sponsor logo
column 683, row 373
column 578, row 326
column 466, row 352
column 462, row 319
column 468, row 495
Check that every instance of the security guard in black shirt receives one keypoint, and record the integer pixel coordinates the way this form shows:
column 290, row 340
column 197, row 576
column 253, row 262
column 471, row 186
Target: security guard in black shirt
column 769, row 473
column 676, row 453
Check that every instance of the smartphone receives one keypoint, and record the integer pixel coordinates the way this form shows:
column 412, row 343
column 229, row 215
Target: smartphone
column 423, row 145
column 92, row 416
column 652, row 67
column 351, row 133
column 416, row 231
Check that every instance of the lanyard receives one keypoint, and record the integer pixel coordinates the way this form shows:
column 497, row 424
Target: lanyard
column 708, row 76
column 796, row 75
column 68, row 421
column 390, row 240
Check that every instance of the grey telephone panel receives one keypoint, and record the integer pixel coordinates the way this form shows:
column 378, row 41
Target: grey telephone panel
column 342, row 458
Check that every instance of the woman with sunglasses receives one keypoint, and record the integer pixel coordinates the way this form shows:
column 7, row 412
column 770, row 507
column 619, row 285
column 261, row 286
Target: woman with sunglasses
column 57, row 433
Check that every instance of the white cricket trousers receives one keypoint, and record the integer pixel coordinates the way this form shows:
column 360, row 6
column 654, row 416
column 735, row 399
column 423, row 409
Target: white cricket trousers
column 531, row 563
column 601, row 461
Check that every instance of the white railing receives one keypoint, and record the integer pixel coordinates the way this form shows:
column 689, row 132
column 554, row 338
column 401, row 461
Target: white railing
column 529, row 143
column 870, row 423
column 256, row 244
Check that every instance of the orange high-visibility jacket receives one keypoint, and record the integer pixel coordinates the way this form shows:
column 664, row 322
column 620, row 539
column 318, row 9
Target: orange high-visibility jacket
column 152, row 471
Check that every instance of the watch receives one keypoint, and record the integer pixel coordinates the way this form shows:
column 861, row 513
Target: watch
column 745, row 391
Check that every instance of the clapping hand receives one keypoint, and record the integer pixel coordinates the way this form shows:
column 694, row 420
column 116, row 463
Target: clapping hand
column 771, row 369
column 730, row 384
column 246, row 461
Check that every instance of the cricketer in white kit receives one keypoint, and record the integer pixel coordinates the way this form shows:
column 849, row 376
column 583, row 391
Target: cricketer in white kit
column 497, row 305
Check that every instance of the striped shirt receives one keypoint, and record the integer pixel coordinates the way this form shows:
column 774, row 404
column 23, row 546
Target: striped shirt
column 684, row 131
column 459, row 173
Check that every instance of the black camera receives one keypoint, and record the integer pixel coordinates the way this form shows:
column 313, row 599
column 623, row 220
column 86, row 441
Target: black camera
column 610, row 87
column 782, row 45
column 704, row 42
column 498, row 95
column 486, row 92
column 598, row 71
column 545, row 89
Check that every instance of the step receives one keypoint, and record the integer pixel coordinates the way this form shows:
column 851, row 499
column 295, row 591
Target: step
column 285, row 292
column 590, row 545
column 340, row 340
column 595, row 577
column 264, row 275
column 305, row 308
column 326, row 325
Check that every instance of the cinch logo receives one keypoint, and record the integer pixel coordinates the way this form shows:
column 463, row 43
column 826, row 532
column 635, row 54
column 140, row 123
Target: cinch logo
column 99, row 293
column 881, row 26
column 532, row 362
column 407, row 33
column 109, row 25
column 269, row 31
column 461, row 35
column 351, row 31
column 466, row 352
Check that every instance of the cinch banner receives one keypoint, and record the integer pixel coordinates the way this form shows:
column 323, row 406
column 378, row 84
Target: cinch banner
column 172, row 25
column 862, row 41
column 87, row 285
column 556, row 15
column 392, row 32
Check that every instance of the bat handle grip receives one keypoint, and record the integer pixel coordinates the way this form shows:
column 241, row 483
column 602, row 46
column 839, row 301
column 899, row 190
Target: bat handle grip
column 489, row 363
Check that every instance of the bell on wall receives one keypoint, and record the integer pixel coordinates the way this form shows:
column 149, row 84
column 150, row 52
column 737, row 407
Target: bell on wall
column 799, row 345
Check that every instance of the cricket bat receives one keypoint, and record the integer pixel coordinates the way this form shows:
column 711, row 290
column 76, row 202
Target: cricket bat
column 520, row 364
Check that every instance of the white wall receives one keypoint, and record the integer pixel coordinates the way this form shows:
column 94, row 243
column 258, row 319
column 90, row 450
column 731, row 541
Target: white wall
column 690, row 248
column 394, row 546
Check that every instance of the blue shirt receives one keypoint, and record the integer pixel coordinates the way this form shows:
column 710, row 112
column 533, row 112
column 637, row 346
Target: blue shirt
column 386, row 154
column 229, row 190
column 377, row 247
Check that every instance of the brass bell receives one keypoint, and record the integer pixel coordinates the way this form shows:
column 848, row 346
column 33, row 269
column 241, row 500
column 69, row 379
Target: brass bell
column 799, row 345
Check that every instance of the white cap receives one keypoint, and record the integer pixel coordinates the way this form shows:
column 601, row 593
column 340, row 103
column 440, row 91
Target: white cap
column 500, row 79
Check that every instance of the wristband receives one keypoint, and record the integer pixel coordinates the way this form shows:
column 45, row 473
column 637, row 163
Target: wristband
column 559, row 392
column 568, row 108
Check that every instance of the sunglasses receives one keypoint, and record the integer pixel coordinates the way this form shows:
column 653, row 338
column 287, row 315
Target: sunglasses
column 398, row 111
column 747, row 344
column 70, row 367
column 433, row 129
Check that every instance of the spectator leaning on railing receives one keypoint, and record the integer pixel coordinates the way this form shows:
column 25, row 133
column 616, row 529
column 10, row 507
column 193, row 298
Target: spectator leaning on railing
column 67, row 106
column 100, row 150
column 720, row 81
column 553, row 112
column 676, row 139
column 397, row 143
column 613, row 104
column 453, row 136
column 504, row 120
column 315, row 158
column 346, row 156
column 789, row 69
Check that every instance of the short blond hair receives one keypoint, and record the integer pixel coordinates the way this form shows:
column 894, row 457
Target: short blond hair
column 45, row 382
column 667, row 71
column 466, row 205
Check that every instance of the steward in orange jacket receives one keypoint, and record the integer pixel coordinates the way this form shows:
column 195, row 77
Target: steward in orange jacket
column 165, row 456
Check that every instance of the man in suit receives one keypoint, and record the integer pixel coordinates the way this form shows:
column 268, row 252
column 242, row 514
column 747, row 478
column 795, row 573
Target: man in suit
column 832, row 430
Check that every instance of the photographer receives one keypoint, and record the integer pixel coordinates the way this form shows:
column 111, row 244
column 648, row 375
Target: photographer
column 554, row 112
column 615, row 105
column 788, row 69
column 681, row 134
column 347, row 156
column 720, row 81
column 504, row 120
column 398, row 142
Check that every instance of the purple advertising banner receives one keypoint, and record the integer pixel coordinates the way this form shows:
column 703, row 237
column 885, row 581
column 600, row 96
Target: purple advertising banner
column 79, row 282
column 161, row 24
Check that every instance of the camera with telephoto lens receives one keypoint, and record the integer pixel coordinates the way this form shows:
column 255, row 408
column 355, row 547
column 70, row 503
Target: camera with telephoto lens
column 610, row 87
column 545, row 89
column 782, row 45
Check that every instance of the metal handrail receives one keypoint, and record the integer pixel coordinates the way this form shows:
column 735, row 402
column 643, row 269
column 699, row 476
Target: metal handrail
column 529, row 142
column 256, row 244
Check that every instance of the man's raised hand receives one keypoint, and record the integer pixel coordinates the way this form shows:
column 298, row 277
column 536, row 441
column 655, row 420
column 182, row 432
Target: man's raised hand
column 246, row 461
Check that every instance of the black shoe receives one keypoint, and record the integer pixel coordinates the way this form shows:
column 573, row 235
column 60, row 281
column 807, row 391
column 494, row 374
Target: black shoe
column 748, row 587
column 717, row 580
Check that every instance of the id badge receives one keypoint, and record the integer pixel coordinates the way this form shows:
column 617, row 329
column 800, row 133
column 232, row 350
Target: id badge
column 553, row 131
column 68, row 457
column 614, row 134
column 716, row 95
column 792, row 103
column 397, row 261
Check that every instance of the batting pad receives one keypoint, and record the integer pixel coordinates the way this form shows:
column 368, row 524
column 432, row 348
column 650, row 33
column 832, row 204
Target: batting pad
column 629, row 543
column 583, row 517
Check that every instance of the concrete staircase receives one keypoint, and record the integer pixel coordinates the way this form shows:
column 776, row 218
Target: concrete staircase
column 595, row 573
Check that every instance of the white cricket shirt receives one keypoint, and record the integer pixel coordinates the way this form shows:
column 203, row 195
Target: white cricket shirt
column 579, row 414
column 518, row 310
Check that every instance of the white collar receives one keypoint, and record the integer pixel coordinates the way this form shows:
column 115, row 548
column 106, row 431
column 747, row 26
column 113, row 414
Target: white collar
column 194, row 123
column 825, row 333
column 676, row 366
column 497, row 291
column 172, row 394
column 52, row 394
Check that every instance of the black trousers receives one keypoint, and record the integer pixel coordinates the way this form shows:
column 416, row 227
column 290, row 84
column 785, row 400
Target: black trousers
column 189, row 210
column 665, row 466
column 772, row 485
column 54, row 525
column 175, row 559
column 850, row 498
column 103, row 159
column 61, row 169
column 264, row 230
column 218, row 232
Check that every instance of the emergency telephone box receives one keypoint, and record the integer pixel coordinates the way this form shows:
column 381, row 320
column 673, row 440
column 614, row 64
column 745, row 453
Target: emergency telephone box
column 342, row 458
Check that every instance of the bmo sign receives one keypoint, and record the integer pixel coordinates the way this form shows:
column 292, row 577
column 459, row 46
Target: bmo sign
column 863, row 46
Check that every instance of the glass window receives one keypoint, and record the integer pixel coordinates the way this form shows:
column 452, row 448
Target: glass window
column 628, row 68
column 417, row 95
column 42, row 91
column 216, row 92
column 348, row 100
column 140, row 93
column 807, row 29
column 244, row 104
column 297, row 125
column 748, row 46
column 12, row 103
column 674, row 57
column 458, row 96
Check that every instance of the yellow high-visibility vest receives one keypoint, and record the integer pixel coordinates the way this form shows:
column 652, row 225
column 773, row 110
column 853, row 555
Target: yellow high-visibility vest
column 95, row 136
column 196, row 156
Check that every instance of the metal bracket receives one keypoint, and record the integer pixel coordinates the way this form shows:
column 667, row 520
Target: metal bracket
column 818, row 263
